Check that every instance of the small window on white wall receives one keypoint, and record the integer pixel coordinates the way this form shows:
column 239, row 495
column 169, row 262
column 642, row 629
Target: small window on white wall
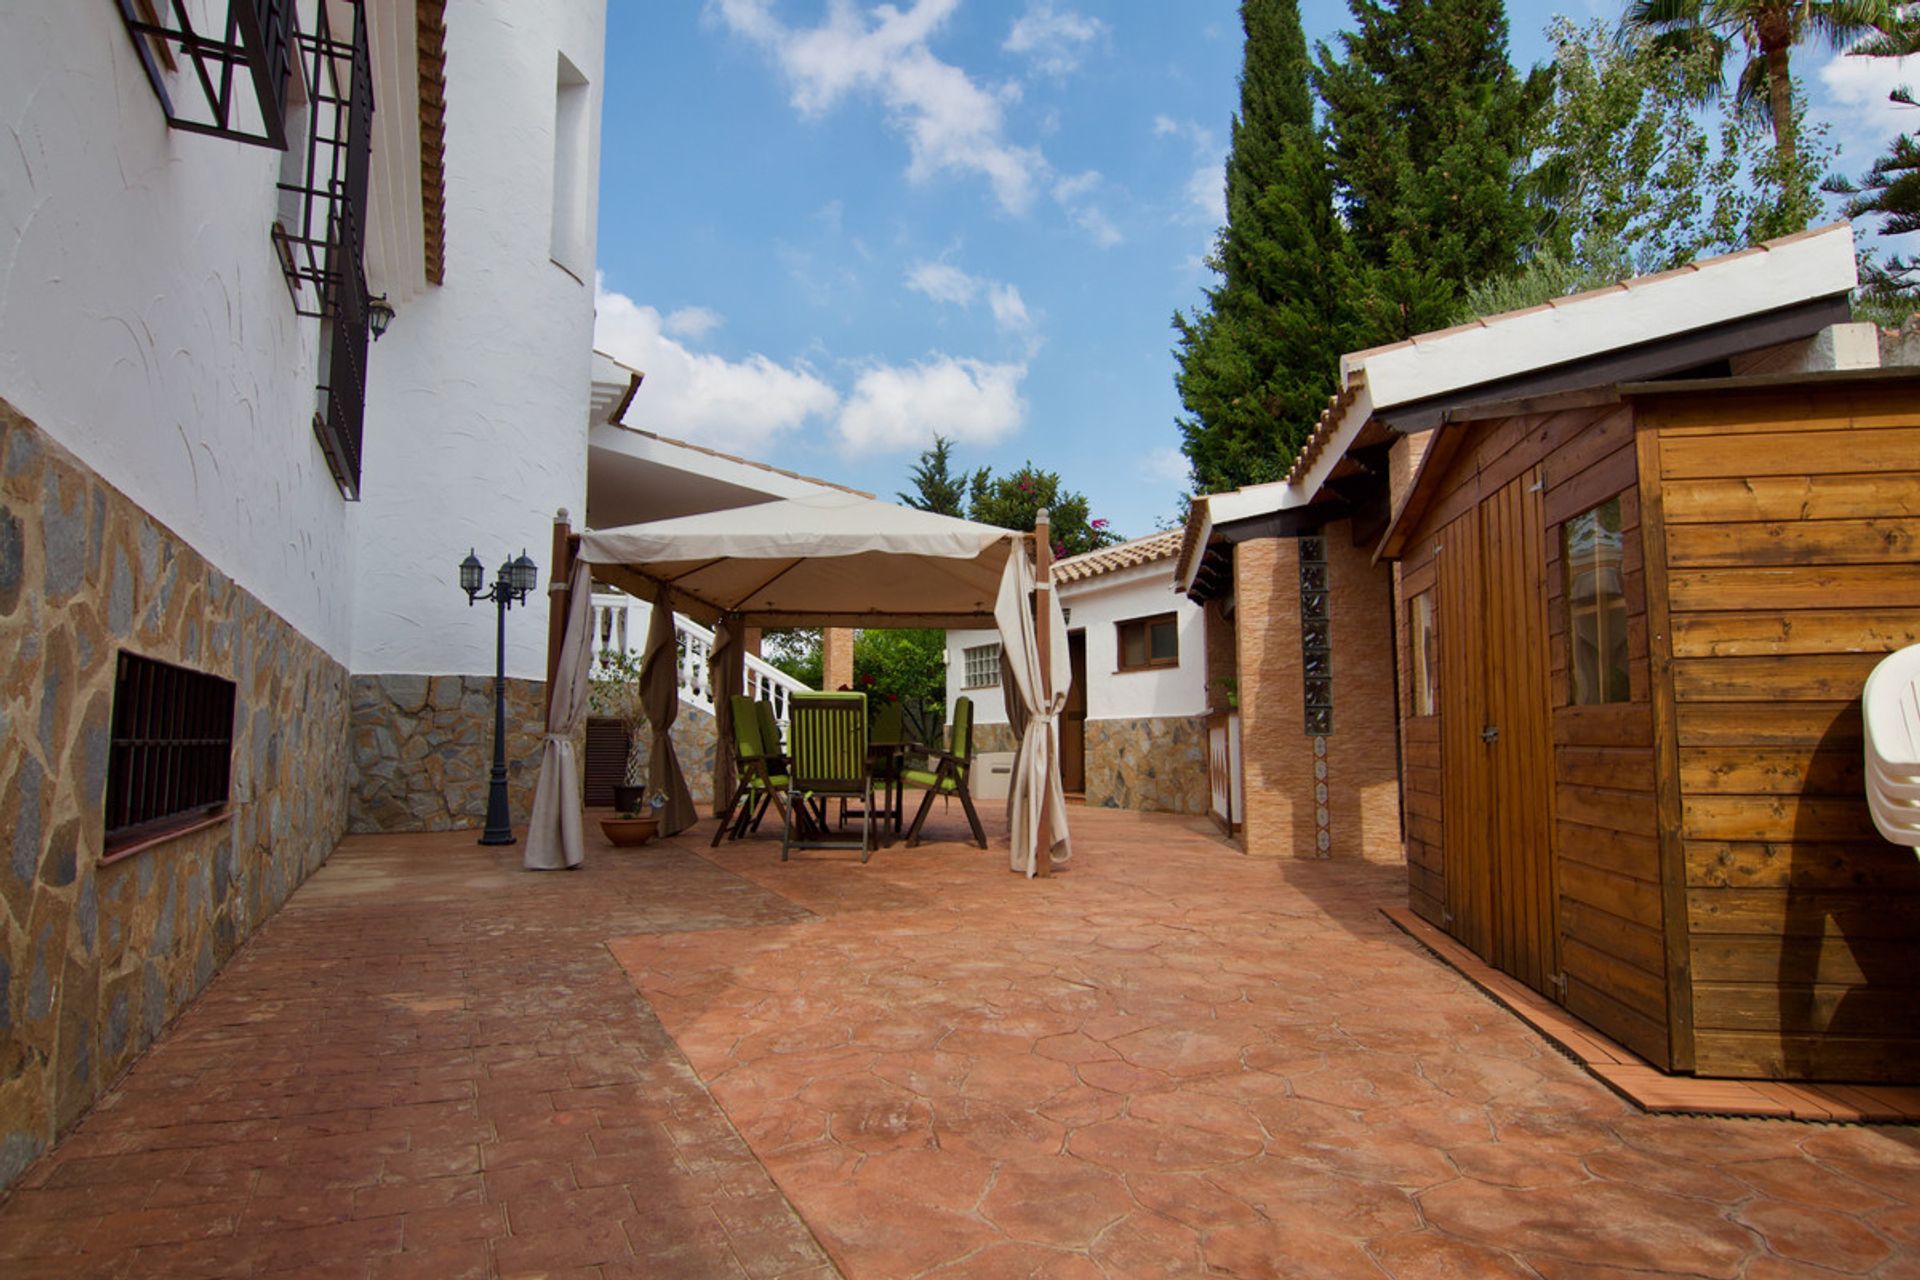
column 982, row 666
column 570, row 147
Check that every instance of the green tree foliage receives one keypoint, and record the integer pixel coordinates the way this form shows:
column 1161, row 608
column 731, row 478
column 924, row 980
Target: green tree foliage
column 1426, row 123
column 1766, row 31
column 796, row 651
column 1013, row 501
column 1259, row 360
column 935, row 487
column 1890, row 190
column 905, row 663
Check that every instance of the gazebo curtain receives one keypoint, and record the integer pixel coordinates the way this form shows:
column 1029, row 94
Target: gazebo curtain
column 660, row 692
column 1036, row 789
column 553, row 828
column 726, row 673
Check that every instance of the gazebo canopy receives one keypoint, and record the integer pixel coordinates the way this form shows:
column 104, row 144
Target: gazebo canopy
column 832, row 559
column 829, row 559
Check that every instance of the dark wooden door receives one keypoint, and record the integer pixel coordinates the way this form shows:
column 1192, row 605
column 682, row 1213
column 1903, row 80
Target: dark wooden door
column 1073, row 720
column 1496, row 747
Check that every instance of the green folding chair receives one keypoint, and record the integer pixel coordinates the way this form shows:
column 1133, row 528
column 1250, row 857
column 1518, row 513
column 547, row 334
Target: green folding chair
column 761, row 774
column 888, row 754
column 947, row 775
column 827, row 759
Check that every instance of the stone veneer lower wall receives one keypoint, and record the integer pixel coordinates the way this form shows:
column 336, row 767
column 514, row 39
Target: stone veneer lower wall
column 423, row 750
column 1158, row 764
column 95, row 959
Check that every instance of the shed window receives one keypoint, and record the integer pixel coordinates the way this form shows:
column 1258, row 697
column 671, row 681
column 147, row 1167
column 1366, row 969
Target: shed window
column 1421, row 631
column 172, row 748
column 1149, row 642
column 980, row 666
column 1591, row 552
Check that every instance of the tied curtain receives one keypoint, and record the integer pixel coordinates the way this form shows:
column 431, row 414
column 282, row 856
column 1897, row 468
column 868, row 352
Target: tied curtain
column 660, row 693
column 1036, row 788
column 553, row 828
column 726, row 675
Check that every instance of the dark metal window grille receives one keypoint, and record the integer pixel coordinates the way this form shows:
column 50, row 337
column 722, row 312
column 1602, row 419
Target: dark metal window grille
column 236, row 82
column 172, row 748
column 1316, row 637
column 321, row 233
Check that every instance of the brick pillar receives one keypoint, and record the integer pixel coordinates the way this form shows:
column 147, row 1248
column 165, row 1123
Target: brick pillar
column 1221, row 658
column 1276, row 753
column 836, row 658
column 1363, row 774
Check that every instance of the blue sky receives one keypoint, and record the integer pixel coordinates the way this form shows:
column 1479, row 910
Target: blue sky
column 828, row 230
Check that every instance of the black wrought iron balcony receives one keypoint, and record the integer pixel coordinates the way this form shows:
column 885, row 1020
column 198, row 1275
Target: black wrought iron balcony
column 231, row 84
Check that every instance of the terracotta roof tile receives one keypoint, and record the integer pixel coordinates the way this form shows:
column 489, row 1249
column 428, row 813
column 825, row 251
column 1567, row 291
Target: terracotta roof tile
column 1164, row 545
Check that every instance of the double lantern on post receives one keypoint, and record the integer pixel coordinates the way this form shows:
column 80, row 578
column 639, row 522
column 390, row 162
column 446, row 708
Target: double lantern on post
column 510, row 587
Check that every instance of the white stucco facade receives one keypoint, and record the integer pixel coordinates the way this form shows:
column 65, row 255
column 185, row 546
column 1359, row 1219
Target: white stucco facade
column 477, row 400
column 144, row 320
column 1096, row 607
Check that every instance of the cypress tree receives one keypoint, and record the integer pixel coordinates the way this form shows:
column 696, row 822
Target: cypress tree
column 1259, row 360
column 1426, row 128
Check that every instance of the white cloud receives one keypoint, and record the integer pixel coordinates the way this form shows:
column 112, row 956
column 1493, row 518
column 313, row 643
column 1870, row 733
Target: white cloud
column 943, row 282
column 1166, row 465
column 1164, row 126
column 692, row 322
column 1053, row 38
column 1009, row 308
column 1865, row 122
column 736, row 405
column 951, row 123
column 1207, row 193
column 1098, row 226
column 898, row 408
column 1071, row 188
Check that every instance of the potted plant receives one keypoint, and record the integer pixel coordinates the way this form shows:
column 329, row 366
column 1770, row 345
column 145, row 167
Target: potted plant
column 614, row 692
column 634, row 827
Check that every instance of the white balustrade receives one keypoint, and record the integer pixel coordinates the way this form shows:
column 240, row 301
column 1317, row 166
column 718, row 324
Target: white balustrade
column 620, row 624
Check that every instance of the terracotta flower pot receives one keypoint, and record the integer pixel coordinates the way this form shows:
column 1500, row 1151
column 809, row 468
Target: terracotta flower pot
column 630, row 832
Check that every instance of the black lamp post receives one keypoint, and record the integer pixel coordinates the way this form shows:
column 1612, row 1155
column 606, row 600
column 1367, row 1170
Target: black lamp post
column 510, row 587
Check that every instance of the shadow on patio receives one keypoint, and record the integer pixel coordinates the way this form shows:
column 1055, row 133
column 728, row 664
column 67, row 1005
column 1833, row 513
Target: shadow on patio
column 1168, row 1061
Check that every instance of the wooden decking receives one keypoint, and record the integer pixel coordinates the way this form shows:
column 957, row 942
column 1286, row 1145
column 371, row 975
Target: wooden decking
column 1650, row 1088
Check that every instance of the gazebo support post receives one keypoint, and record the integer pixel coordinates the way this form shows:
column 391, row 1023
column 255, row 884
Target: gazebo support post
column 564, row 545
column 1043, row 645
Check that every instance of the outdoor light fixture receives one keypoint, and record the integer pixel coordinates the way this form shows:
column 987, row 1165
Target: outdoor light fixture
column 510, row 587
column 379, row 315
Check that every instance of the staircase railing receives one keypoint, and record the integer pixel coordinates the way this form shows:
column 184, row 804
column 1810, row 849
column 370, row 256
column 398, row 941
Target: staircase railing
column 620, row 625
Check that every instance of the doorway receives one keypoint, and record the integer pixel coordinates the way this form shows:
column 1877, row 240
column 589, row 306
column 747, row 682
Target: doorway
column 1073, row 721
column 1496, row 741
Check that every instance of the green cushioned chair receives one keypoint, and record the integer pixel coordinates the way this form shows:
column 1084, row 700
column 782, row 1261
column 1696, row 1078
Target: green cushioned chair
column 762, row 778
column 888, row 754
column 947, row 774
column 827, row 759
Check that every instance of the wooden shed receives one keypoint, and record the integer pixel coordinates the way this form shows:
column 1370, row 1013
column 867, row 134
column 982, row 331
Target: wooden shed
column 1635, row 624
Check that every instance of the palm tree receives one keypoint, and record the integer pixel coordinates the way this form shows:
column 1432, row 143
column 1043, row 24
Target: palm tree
column 1767, row 30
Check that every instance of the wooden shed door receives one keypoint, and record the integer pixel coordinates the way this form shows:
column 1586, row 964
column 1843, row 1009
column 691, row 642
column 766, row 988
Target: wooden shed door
column 1496, row 738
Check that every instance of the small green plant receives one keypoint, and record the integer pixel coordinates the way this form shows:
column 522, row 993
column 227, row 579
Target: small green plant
column 1230, row 687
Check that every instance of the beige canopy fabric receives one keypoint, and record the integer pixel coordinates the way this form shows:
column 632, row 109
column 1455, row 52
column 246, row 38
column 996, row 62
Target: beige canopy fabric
column 553, row 829
column 838, row 559
column 660, row 691
column 831, row 560
column 1036, row 787
column 726, row 674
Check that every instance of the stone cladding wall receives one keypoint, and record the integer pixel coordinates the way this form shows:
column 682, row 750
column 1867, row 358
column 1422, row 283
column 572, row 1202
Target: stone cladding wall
column 1360, row 769
column 693, row 743
column 423, row 750
column 1157, row 764
column 993, row 737
column 96, row 958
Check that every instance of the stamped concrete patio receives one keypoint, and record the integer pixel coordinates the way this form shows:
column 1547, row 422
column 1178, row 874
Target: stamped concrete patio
column 1170, row 1061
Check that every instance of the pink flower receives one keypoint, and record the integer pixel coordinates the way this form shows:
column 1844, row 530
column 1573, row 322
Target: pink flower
column 1099, row 524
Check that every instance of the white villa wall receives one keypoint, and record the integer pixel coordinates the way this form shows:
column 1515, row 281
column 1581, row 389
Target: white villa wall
column 1098, row 604
column 144, row 320
column 477, row 401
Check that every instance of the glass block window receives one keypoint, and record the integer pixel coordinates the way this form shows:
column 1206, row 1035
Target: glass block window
column 171, row 750
column 1316, row 637
column 1421, row 637
column 980, row 667
column 1591, row 554
column 1149, row 642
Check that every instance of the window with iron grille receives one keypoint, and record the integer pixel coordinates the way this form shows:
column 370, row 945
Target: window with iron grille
column 229, row 80
column 171, row 755
column 980, row 668
column 1316, row 638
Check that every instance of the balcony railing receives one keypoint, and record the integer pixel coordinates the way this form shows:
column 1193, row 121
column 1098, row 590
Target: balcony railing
column 620, row 625
column 232, row 84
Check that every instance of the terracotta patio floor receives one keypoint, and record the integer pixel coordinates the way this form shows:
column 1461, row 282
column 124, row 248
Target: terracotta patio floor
column 1169, row 1061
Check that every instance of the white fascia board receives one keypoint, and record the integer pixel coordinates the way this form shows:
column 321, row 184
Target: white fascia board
column 664, row 453
column 1183, row 578
column 1153, row 571
column 1734, row 287
column 1353, row 417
